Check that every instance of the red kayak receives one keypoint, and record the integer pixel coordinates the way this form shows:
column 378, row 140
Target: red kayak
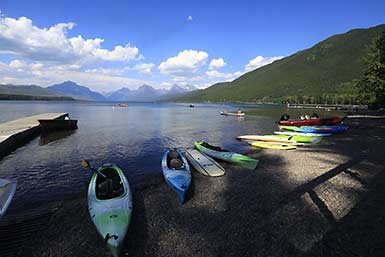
column 312, row 121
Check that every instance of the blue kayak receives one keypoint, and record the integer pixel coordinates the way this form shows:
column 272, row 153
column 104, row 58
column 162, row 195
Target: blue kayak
column 316, row 129
column 176, row 172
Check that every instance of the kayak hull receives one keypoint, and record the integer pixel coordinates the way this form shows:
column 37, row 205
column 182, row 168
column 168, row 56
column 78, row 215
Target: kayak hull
column 225, row 155
column 292, row 133
column 310, row 122
column 204, row 164
column 7, row 191
column 316, row 129
column 266, row 138
column 178, row 179
column 111, row 217
column 301, row 139
column 273, row 145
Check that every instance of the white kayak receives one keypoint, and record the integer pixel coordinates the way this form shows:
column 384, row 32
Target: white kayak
column 110, row 205
column 204, row 164
column 7, row 191
column 291, row 133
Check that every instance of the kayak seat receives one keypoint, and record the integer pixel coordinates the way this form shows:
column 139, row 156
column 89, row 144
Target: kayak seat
column 105, row 189
column 176, row 163
column 110, row 187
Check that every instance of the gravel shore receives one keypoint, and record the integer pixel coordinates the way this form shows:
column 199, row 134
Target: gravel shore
column 319, row 200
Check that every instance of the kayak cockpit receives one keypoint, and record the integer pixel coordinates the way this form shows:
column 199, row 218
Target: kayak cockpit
column 174, row 160
column 109, row 187
column 212, row 147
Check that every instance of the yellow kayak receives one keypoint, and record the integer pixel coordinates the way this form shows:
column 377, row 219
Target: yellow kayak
column 268, row 138
column 274, row 145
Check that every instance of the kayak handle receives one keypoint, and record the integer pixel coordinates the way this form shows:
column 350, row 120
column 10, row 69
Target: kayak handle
column 108, row 237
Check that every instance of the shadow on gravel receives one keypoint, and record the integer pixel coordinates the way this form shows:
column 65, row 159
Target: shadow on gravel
column 275, row 210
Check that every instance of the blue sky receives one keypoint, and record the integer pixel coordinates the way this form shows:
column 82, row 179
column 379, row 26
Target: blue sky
column 163, row 42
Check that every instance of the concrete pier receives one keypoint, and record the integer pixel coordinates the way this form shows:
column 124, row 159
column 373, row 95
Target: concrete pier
column 17, row 132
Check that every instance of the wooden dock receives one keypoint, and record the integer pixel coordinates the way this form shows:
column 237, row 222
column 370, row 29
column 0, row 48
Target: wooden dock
column 17, row 132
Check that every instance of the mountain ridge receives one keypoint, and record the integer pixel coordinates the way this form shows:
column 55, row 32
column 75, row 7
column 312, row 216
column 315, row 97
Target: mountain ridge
column 72, row 89
column 326, row 70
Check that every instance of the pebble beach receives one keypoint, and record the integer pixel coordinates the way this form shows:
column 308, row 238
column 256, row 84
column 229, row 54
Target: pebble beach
column 318, row 200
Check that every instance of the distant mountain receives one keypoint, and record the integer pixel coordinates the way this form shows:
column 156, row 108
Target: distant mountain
column 119, row 95
column 76, row 91
column 146, row 93
column 29, row 92
column 319, row 74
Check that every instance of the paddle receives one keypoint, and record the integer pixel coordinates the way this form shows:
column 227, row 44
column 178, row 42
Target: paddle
column 86, row 164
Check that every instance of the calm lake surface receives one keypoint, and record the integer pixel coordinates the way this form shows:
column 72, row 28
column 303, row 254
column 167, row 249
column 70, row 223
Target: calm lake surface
column 135, row 138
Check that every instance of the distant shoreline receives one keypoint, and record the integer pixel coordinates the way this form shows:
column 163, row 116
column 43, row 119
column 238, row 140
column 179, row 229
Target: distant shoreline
column 32, row 97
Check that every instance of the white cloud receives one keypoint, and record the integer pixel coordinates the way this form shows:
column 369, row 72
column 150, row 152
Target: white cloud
column 144, row 68
column 189, row 18
column 217, row 64
column 17, row 64
column 260, row 61
column 217, row 74
column 185, row 64
column 21, row 38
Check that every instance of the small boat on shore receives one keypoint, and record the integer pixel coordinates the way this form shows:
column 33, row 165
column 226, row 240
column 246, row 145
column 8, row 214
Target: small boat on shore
column 316, row 129
column 225, row 155
column 176, row 172
column 123, row 105
column 7, row 191
column 233, row 114
column 204, row 164
column 312, row 121
column 64, row 123
column 110, row 204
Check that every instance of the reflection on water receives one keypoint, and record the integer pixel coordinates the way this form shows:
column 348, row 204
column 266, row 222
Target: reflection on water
column 46, row 138
column 134, row 138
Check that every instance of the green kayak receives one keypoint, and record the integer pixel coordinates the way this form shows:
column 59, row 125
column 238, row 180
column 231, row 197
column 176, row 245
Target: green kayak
column 300, row 139
column 110, row 205
column 225, row 155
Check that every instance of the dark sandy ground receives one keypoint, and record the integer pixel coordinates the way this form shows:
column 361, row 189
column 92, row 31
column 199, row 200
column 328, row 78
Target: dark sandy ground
column 323, row 200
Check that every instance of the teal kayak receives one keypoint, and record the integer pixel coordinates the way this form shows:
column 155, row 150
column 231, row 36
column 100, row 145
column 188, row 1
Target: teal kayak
column 225, row 155
column 110, row 205
column 176, row 172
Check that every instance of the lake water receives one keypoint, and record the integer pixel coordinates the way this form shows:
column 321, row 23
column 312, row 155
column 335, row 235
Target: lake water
column 135, row 138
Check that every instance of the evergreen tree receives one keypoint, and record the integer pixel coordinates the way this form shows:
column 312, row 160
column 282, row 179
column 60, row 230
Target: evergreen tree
column 372, row 84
